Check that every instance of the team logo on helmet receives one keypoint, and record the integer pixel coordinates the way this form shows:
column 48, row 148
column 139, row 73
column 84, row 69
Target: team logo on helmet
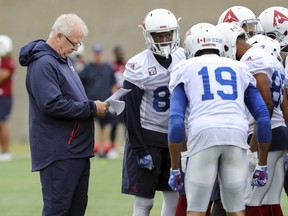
column 230, row 17
column 279, row 18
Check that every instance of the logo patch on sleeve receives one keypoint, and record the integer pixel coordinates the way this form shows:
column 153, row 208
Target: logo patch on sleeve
column 152, row 71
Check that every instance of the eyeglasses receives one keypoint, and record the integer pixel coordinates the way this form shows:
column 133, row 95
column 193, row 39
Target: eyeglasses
column 75, row 45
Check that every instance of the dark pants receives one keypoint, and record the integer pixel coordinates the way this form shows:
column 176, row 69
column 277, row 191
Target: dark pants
column 65, row 187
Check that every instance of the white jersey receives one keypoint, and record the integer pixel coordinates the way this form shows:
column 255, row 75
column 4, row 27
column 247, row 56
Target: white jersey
column 260, row 61
column 144, row 71
column 215, row 89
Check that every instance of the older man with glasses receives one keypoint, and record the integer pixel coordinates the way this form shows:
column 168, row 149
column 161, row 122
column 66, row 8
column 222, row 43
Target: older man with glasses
column 60, row 118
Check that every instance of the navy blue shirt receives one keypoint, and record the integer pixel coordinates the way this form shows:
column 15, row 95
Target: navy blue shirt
column 98, row 80
column 61, row 124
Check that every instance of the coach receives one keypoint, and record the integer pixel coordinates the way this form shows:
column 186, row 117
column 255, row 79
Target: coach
column 61, row 126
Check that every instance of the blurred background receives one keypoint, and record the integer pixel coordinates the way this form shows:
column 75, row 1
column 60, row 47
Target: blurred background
column 110, row 22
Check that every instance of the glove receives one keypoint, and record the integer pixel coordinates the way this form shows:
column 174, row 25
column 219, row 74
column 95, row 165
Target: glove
column 175, row 180
column 260, row 176
column 286, row 163
column 252, row 159
column 146, row 162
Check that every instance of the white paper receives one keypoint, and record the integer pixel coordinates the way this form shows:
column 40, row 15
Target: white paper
column 116, row 104
column 118, row 94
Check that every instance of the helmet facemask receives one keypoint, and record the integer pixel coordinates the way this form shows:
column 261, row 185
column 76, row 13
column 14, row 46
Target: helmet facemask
column 163, row 48
column 252, row 27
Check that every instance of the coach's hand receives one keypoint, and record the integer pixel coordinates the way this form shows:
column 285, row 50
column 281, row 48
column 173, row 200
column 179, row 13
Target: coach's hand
column 102, row 108
column 175, row 180
column 260, row 176
column 146, row 162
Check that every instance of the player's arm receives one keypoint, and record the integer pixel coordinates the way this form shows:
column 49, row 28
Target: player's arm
column 131, row 117
column 176, row 127
column 264, row 88
column 176, row 134
column 259, row 111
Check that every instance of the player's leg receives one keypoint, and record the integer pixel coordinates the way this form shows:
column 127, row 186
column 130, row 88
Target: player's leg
column 271, row 202
column 286, row 175
column 200, row 176
column 217, row 207
column 141, row 183
column 169, row 203
column 142, row 206
column 181, row 209
column 254, row 202
column 232, row 172
column 170, row 197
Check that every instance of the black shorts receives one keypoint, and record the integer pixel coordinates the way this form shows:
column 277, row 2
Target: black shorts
column 143, row 182
column 110, row 118
column 279, row 139
column 5, row 108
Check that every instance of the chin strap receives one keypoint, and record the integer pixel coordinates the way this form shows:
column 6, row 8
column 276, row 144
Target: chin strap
column 165, row 51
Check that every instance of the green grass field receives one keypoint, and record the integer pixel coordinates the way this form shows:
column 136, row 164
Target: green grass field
column 20, row 189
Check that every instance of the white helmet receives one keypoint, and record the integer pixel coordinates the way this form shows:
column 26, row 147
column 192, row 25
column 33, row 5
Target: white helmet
column 267, row 43
column 202, row 36
column 230, row 32
column 157, row 21
column 274, row 21
column 243, row 17
column 5, row 45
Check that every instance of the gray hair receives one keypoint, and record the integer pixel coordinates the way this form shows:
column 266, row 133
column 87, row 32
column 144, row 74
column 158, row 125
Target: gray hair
column 66, row 22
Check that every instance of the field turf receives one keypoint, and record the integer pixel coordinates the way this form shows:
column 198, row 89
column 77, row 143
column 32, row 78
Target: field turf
column 20, row 189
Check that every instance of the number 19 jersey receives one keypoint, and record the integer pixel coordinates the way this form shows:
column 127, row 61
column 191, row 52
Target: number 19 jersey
column 215, row 88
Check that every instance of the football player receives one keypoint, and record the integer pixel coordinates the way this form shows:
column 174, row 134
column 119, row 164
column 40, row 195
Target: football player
column 270, row 204
column 244, row 18
column 275, row 24
column 269, row 74
column 146, row 162
column 215, row 90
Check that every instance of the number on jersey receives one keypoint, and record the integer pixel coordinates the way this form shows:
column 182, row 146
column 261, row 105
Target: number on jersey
column 208, row 95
